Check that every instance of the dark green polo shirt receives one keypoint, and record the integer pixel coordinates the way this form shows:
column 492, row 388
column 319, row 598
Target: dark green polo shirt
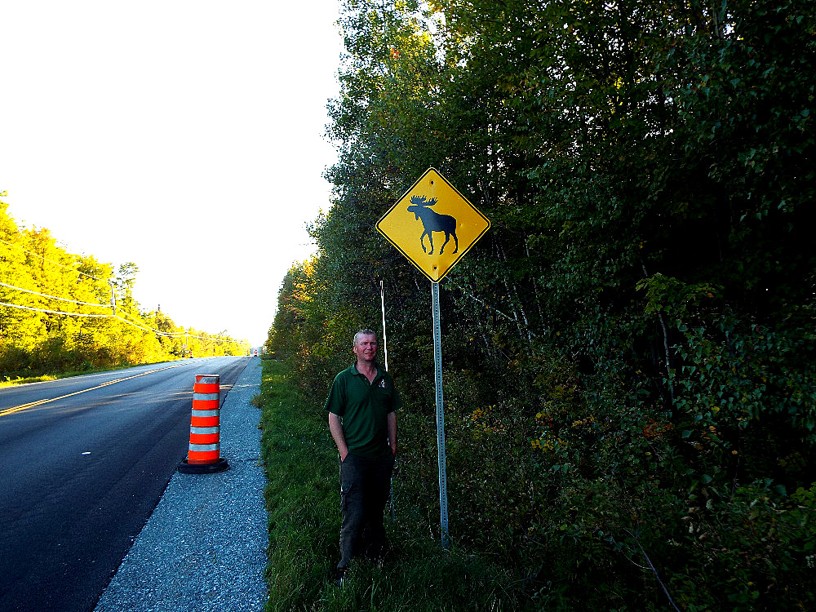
column 364, row 409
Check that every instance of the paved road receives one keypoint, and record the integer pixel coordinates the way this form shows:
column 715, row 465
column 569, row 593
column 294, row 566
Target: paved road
column 81, row 472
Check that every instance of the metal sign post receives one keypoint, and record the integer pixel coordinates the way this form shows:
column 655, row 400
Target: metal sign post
column 440, row 417
column 434, row 226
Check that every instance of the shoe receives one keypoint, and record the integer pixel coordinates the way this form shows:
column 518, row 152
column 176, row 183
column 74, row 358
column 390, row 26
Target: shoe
column 340, row 576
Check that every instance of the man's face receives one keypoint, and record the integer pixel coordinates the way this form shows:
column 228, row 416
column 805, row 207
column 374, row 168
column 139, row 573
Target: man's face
column 365, row 349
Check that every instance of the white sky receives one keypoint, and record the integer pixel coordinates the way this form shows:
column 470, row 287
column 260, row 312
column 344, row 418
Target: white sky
column 183, row 135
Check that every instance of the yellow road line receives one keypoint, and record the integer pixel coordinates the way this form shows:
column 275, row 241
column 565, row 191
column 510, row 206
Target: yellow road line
column 22, row 407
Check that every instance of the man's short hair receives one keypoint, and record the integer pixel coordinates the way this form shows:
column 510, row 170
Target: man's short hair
column 363, row 332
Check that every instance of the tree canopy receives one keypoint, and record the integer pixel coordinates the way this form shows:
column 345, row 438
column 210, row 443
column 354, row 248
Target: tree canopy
column 629, row 352
column 61, row 312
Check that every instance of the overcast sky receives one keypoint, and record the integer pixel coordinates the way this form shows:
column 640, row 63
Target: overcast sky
column 185, row 136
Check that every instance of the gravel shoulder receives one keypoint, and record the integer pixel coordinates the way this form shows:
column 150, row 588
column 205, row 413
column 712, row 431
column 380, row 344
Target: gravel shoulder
column 204, row 546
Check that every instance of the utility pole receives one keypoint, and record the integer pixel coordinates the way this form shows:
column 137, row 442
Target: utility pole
column 113, row 297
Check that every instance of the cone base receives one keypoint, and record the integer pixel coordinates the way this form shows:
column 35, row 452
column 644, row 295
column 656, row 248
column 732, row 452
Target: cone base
column 203, row 468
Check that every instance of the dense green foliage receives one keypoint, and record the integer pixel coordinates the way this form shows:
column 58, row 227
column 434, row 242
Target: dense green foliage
column 56, row 312
column 629, row 357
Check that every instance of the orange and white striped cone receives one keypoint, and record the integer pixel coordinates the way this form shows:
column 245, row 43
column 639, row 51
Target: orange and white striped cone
column 203, row 454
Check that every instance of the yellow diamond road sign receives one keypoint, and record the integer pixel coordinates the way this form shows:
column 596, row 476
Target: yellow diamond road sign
column 433, row 225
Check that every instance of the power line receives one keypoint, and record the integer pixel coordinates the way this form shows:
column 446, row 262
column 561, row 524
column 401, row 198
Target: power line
column 72, row 314
column 53, row 297
column 110, row 316
column 78, row 314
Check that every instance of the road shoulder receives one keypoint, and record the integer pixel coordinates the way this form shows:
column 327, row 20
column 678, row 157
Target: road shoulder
column 204, row 546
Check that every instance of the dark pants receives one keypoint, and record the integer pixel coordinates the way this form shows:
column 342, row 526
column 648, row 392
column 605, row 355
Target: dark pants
column 364, row 489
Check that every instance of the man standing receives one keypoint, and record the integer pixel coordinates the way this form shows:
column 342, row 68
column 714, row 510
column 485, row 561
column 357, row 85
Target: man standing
column 363, row 423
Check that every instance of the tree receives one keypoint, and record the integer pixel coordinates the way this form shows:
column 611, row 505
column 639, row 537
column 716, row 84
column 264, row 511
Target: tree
column 635, row 334
column 56, row 313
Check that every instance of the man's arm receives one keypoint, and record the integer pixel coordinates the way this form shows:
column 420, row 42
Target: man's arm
column 336, row 429
column 392, row 432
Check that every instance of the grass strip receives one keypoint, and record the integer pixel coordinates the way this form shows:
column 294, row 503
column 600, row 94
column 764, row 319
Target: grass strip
column 303, row 501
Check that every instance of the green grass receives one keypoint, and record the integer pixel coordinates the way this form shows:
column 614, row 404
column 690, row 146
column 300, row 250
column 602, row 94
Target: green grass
column 10, row 382
column 303, row 501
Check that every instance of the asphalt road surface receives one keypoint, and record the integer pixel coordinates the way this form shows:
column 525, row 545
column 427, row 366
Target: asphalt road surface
column 83, row 463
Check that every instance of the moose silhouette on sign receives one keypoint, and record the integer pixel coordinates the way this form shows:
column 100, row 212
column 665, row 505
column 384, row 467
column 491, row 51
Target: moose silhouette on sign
column 432, row 222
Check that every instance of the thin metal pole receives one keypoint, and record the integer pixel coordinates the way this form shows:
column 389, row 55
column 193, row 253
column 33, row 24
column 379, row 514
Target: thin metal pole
column 385, row 340
column 391, row 504
column 440, row 417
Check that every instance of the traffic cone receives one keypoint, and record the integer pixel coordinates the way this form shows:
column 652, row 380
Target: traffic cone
column 203, row 454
